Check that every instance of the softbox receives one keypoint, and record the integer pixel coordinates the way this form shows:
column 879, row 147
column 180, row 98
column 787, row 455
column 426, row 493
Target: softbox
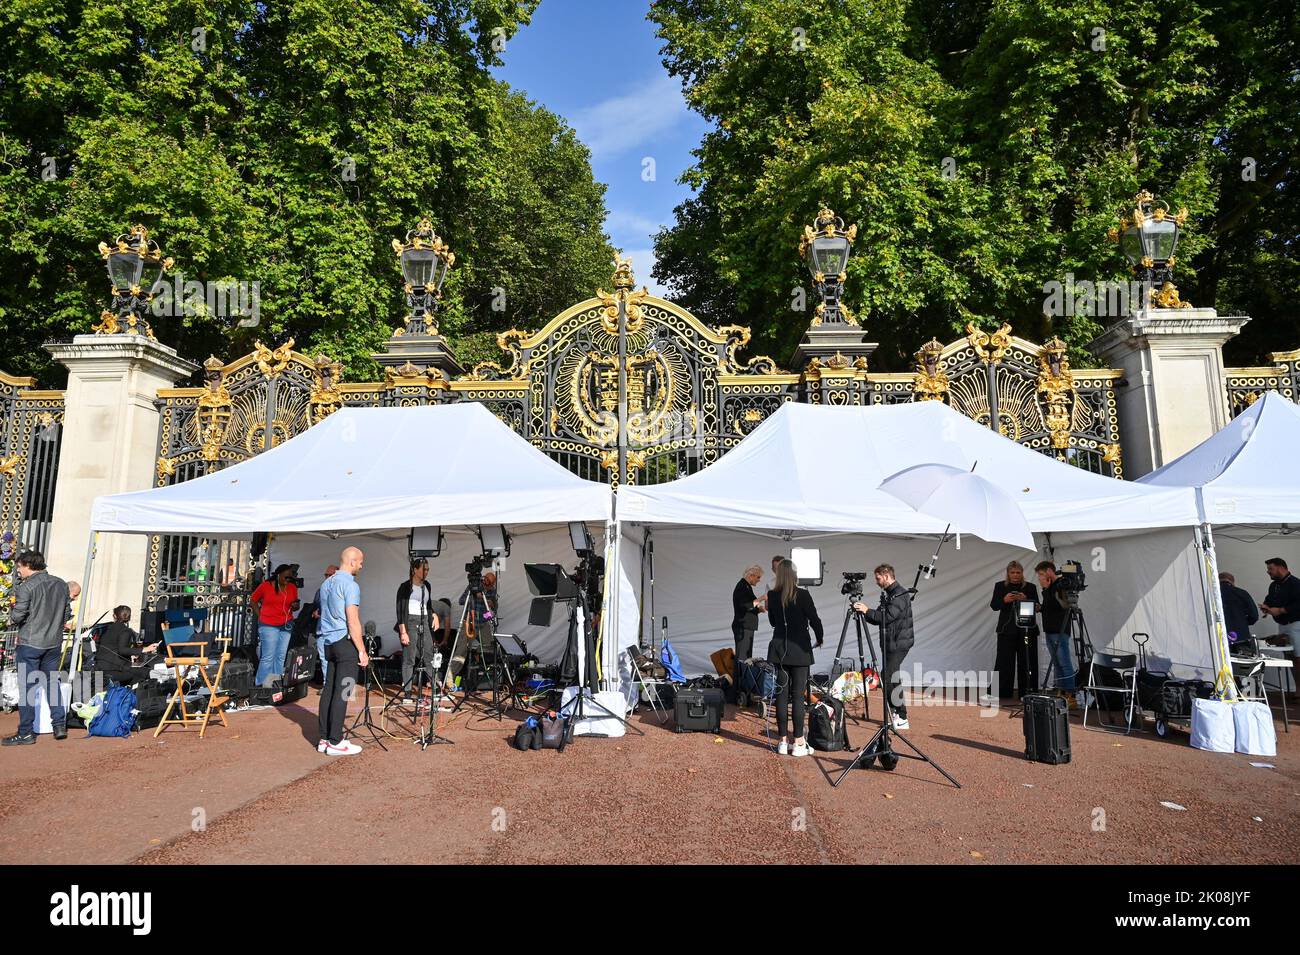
column 550, row 580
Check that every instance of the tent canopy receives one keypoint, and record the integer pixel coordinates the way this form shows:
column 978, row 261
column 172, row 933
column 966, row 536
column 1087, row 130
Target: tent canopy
column 370, row 469
column 814, row 467
column 1246, row 470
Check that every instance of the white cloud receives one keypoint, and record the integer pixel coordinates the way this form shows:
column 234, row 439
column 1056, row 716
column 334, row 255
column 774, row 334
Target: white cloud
column 622, row 223
column 618, row 124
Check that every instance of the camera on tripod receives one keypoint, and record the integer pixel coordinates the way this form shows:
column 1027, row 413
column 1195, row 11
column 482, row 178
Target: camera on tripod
column 852, row 586
column 1072, row 577
column 474, row 571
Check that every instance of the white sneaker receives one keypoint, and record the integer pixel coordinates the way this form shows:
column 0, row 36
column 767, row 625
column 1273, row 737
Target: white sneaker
column 801, row 749
column 900, row 723
column 782, row 748
column 322, row 745
column 344, row 748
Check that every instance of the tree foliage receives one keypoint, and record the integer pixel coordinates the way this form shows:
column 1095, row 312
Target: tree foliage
column 284, row 143
column 983, row 149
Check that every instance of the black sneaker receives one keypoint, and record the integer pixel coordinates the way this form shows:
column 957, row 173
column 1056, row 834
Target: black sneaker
column 18, row 739
column 60, row 731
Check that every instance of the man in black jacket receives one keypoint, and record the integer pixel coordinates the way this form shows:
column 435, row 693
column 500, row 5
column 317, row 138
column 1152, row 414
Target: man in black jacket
column 896, row 636
column 41, row 607
column 1056, row 629
column 1283, row 605
column 1238, row 614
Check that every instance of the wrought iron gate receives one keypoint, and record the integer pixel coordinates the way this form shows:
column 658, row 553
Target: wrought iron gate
column 31, row 432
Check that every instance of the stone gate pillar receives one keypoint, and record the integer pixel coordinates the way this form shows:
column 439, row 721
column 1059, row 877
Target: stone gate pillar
column 110, row 445
column 1173, row 395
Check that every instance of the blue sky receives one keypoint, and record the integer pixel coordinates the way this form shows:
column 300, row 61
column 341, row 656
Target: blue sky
column 597, row 64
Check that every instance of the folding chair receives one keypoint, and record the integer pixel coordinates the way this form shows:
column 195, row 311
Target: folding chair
column 1249, row 676
column 1122, row 668
column 639, row 660
column 181, row 654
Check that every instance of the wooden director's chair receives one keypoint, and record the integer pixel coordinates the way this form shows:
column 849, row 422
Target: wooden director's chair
column 183, row 654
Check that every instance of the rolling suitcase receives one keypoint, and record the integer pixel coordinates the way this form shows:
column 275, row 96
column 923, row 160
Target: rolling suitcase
column 1047, row 729
column 698, row 710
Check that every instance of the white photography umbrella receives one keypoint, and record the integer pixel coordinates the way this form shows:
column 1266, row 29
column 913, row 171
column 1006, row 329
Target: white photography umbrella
column 964, row 500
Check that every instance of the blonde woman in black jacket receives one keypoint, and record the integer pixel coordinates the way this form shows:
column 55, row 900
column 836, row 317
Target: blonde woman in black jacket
column 792, row 612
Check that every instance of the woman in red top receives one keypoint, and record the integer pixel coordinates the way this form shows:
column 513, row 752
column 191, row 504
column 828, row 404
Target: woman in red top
column 274, row 599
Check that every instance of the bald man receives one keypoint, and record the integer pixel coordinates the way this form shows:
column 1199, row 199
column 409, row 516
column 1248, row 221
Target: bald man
column 340, row 633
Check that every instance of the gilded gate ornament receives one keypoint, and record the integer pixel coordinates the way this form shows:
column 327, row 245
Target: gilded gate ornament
column 212, row 414
column 931, row 382
column 272, row 362
column 1056, row 391
column 325, row 398
column 989, row 346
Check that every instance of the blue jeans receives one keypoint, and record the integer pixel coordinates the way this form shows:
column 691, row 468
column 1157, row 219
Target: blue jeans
column 1058, row 645
column 272, row 645
column 36, row 666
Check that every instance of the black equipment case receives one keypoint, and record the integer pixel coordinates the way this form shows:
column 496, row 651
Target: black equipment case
column 698, row 710
column 1047, row 729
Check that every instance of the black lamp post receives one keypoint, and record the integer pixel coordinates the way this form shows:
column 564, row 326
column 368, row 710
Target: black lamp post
column 826, row 245
column 135, row 266
column 425, row 259
column 1148, row 237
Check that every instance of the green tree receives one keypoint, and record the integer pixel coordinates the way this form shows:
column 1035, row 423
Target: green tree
column 286, row 144
column 983, row 149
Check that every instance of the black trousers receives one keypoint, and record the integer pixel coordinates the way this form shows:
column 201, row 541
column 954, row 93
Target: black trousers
column 791, row 680
column 1017, row 665
column 339, row 685
column 744, row 649
column 892, row 682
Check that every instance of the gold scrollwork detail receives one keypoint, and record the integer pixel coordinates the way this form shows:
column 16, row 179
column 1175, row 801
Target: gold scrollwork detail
column 272, row 361
column 989, row 346
column 325, row 398
column 1167, row 297
column 166, row 468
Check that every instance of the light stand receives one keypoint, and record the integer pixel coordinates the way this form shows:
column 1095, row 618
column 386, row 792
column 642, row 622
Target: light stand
column 364, row 726
column 879, row 746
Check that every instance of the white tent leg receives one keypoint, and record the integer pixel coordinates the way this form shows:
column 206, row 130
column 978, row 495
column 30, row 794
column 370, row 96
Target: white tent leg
column 74, row 658
column 1218, row 623
column 609, row 617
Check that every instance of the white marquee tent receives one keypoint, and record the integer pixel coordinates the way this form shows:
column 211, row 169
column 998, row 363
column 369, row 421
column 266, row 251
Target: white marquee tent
column 808, row 476
column 1246, row 478
column 365, row 476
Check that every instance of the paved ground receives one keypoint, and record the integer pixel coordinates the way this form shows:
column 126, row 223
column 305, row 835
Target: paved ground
column 259, row 792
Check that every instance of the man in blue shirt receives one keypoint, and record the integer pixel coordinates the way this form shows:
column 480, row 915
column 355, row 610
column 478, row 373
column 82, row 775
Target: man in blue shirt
column 340, row 633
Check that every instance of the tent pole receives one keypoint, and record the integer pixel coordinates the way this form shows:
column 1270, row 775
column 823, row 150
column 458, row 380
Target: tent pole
column 74, row 658
column 1219, row 626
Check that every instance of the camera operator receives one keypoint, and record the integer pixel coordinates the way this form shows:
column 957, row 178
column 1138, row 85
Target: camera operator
column 896, row 636
column 1017, row 656
column 1054, row 606
column 484, row 604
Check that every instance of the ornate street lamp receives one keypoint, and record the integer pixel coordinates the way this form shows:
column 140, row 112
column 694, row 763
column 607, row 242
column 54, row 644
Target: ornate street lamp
column 826, row 245
column 1148, row 237
column 135, row 266
column 425, row 259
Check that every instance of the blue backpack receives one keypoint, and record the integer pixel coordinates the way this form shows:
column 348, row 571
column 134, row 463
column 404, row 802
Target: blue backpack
column 117, row 715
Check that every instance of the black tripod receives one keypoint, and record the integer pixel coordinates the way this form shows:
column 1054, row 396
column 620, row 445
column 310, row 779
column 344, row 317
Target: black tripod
column 879, row 746
column 474, row 654
column 409, row 701
column 1077, row 629
column 577, row 707
column 861, row 626
column 364, row 726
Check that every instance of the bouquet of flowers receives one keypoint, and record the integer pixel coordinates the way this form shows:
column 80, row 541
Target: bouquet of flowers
column 8, row 551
